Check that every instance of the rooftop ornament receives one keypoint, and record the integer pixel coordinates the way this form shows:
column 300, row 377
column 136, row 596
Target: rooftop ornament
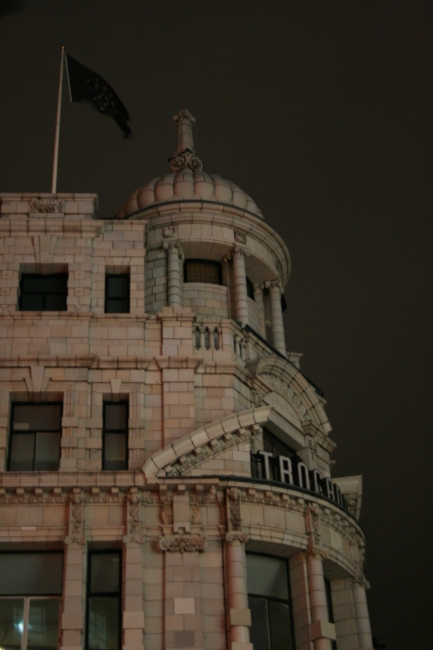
column 185, row 157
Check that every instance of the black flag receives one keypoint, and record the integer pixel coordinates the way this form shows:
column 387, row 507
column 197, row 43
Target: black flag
column 87, row 85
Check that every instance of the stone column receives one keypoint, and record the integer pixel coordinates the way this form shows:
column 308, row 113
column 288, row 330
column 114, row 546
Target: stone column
column 133, row 614
column 321, row 630
column 239, row 615
column 174, row 280
column 240, row 285
column 361, row 614
column 318, row 603
column 300, row 600
column 258, row 299
column 72, row 621
column 277, row 317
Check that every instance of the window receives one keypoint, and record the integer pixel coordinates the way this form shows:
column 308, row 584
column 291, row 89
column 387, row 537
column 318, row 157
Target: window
column 43, row 292
column 250, row 289
column 269, row 602
column 117, row 293
column 330, row 609
column 103, row 601
column 35, row 436
column 30, row 590
column 115, row 436
column 202, row 271
column 276, row 447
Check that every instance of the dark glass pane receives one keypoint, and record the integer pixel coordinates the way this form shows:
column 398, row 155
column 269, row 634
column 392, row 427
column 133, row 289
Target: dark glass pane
column 56, row 283
column 329, row 600
column 43, row 628
column 250, row 289
column 117, row 306
column 260, row 637
column 117, row 286
column 22, row 452
column 31, row 573
column 104, row 573
column 11, row 623
column 115, row 417
column 31, row 283
column 115, row 451
column 280, row 625
column 104, row 624
column 267, row 576
column 203, row 271
column 47, row 452
column 29, row 302
column 55, row 302
column 275, row 446
column 37, row 417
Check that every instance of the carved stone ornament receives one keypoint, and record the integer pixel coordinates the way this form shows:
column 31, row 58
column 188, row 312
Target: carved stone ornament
column 76, row 518
column 280, row 386
column 237, row 536
column 182, row 543
column 195, row 514
column 46, row 205
column 167, row 514
column 186, row 160
column 240, row 237
column 234, row 509
column 257, row 397
column 168, row 231
column 133, row 511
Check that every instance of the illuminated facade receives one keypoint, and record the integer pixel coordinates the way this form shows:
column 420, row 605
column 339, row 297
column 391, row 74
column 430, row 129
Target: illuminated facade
column 166, row 465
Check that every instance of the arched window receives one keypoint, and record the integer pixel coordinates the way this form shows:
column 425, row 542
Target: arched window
column 270, row 603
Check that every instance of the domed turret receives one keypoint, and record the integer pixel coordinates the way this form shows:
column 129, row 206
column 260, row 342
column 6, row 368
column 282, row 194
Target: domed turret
column 187, row 181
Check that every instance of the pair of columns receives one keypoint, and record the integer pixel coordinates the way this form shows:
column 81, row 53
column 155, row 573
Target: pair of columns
column 174, row 291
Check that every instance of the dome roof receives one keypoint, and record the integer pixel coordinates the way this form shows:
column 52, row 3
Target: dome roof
column 187, row 181
column 188, row 185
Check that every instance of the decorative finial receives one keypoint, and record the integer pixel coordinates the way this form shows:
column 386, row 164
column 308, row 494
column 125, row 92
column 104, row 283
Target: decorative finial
column 185, row 157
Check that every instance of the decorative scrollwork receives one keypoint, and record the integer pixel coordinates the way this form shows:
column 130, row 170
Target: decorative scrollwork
column 182, row 543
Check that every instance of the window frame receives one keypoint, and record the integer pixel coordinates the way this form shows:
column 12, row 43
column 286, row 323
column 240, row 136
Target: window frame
column 115, row 432
column 33, row 432
column 28, row 598
column 209, row 263
column 288, row 602
column 99, row 594
column 127, row 299
column 44, row 294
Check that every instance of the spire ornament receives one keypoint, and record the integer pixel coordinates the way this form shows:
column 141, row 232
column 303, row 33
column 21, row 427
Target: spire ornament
column 185, row 157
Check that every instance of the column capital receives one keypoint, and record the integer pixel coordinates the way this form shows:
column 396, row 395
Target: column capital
column 237, row 536
column 273, row 284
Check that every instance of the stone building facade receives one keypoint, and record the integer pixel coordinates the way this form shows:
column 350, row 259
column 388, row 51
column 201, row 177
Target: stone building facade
column 165, row 471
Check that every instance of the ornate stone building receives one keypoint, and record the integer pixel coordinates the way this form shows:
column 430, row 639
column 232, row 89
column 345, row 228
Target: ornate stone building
column 165, row 464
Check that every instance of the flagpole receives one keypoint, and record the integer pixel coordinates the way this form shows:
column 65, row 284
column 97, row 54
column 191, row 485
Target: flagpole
column 57, row 135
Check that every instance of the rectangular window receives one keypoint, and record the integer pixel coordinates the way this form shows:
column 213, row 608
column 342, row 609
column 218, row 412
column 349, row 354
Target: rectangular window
column 250, row 289
column 30, row 590
column 269, row 602
column 117, row 293
column 35, row 434
column 103, row 631
column 205, row 271
column 115, row 436
column 39, row 292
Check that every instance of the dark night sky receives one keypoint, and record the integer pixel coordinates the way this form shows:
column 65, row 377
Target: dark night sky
column 322, row 111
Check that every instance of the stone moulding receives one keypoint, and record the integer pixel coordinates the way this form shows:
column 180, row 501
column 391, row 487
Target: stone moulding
column 206, row 442
column 182, row 543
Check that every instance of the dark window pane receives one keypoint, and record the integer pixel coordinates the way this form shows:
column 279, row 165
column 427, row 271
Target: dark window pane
column 43, row 627
column 104, row 623
column 47, row 453
column 203, row 271
column 31, row 574
column 115, row 417
column 104, row 573
column 117, row 286
column 280, row 625
column 31, row 302
column 37, row 417
column 55, row 302
column 275, row 446
column 115, row 451
column 117, row 306
column 43, row 292
column 260, row 637
column 22, row 452
column 11, row 623
column 250, row 289
column 267, row 576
